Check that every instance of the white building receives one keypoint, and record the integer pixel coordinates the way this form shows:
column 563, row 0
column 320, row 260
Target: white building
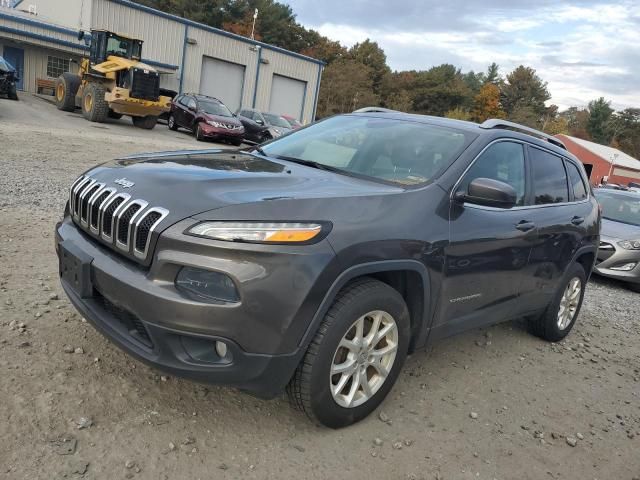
column 40, row 38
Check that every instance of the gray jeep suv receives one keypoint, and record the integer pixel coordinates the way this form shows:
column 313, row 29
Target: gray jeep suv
column 317, row 262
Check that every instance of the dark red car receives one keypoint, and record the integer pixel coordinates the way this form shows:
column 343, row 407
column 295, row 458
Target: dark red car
column 207, row 117
column 294, row 122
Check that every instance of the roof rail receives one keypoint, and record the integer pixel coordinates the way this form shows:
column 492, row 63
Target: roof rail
column 375, row 109
column 497, row 123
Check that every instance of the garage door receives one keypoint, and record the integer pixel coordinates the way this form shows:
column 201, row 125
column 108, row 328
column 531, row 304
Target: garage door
column 287, row 96
column 223, row 80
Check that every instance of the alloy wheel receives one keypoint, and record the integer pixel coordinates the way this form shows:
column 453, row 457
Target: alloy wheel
column 569, row 303
column 363, row 359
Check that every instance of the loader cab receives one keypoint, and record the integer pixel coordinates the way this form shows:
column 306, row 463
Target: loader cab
column 104, row 44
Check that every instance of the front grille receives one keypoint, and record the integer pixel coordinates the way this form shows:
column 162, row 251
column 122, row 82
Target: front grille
column 129, row 321
column 144, row 228
column 123, row 222
column 107, row 216
column 114, row 217
column 145, row 84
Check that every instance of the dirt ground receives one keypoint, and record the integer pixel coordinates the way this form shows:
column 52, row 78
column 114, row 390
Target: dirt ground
column 490, row 404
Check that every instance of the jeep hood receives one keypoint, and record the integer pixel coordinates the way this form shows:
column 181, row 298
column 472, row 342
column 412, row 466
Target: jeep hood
column 191, row 182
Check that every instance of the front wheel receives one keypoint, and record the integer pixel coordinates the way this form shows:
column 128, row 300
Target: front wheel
column 13, row 92
column 199, row 135
column 558, row 319
column 355, row 357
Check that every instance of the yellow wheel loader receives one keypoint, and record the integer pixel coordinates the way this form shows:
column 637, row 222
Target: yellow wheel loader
column 113, row 82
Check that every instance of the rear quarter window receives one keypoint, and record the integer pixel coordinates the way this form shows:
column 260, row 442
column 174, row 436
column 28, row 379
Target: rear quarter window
column 577, row 182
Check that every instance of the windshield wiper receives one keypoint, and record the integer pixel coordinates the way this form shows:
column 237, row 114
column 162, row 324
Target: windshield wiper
column 259, row 149
column 310, row 163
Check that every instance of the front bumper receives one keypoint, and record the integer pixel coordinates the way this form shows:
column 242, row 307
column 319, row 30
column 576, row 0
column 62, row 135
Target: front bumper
column 212, row 132
column 120, row 102
column 611, row 255
column 141, row 311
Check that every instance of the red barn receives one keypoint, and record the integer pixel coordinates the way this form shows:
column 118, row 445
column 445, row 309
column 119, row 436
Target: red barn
column 602, row 161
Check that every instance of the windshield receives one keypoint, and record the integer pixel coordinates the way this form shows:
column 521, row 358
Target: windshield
column 397, row 151
column 276, row 120
column 619, row 207
column 215, row 108
column 293, row 122
column 122, row 47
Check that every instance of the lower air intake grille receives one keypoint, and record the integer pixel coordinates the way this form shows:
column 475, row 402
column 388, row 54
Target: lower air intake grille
column 125, row 318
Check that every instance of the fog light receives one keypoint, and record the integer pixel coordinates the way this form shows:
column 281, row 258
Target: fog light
column 206, row 286
column 626, row 267
column 221, row 349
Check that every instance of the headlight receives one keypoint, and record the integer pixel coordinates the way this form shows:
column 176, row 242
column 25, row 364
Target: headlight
column 214, row 123
column 258, row 232
column 630, row 244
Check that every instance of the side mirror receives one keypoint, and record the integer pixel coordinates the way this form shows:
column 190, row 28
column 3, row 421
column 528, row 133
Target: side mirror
column 259, row 122
column 490, row 193
column 192, row 108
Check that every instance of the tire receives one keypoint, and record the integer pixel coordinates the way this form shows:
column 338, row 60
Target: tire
column 147, row 122
column 13, row 93
column 94, row 106
column 198, row 133
column 114, row 115
column 310, row 389
column 549, row 326
column 171, row 123
column 237, row 143
column 65, row 91
column 265, row 137
column 635, row 287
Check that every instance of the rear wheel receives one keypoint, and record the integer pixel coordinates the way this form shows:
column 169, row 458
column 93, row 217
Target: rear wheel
column 237, row 143
column 66, row 88
column 558, row 319
column 355, row 357
column 147, row 122
column 94, row 106
column 171, row 123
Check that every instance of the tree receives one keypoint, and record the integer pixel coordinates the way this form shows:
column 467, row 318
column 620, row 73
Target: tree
column 439, row 90
column 346, row 86
column 600, row 112
column 525, row 115
column 400, row 101
column 324, row 49
column 458, row 113
column 486, row 104
column 523, row 91
column 370, row 54
column 577, row 120
column 493, row 74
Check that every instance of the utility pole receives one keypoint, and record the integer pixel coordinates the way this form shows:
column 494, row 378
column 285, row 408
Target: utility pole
column 253, row 27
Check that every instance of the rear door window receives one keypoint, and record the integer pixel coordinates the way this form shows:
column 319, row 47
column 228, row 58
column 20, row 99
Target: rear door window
column 549, row 177
column 576, row 181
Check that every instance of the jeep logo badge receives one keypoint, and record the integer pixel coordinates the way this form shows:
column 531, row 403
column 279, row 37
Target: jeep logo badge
column 124, row 182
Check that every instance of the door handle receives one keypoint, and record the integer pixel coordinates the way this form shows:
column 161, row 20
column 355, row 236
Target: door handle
column 577, row 220
column 525, row 226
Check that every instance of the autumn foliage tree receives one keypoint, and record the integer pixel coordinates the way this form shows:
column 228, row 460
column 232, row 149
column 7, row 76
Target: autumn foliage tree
column 486, row 104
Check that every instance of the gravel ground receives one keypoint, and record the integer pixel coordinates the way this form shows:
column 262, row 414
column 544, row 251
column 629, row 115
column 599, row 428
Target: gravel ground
column 492, row 403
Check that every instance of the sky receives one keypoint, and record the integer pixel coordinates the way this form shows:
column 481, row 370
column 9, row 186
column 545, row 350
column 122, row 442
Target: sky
column 584, row 49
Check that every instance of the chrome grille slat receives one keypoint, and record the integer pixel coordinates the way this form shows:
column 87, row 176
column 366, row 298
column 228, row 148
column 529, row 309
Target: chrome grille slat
column 108, row 236
column 124, row 223
column 77, row 192
column 135, row 209
column 95, row 208
column 163, row 212
column 86, row 197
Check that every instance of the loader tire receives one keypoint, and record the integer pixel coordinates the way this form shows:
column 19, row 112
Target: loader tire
column 94, row 106
column 147, row 122
column 65, row 91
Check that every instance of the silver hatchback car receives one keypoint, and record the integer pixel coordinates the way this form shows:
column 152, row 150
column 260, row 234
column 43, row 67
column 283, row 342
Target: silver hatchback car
column 619, row 252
